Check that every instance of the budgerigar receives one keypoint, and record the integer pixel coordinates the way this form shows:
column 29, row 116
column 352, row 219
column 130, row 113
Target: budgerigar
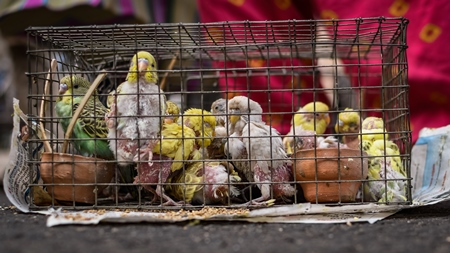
column 203, row 123
column 385, row 164
column 208, row 182
column 90, row 129
column 372, row 129
column 313, row 116
column 264, row 160
column 219, row 110
column 348, row 124
column 172, row 112
column 216, row 149
column 134, row 120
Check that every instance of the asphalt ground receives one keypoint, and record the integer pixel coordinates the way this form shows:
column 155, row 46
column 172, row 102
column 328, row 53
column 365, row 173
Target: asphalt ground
column 423, row 229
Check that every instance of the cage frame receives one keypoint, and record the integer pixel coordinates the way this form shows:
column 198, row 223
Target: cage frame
column 88, row 60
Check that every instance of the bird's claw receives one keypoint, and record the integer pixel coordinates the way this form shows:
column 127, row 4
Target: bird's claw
column 146, row 152
column 157, row 200
column 143, row 154
column 257, row 203
column 175, row 203
column 270, row 202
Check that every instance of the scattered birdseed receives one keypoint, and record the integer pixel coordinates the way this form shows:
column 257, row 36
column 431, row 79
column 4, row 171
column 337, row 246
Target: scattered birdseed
column 205, row 212
column 76, row 217
column 96, row 211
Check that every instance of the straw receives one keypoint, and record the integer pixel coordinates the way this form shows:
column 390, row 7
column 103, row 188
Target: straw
column 170, row 67
column 52, row 69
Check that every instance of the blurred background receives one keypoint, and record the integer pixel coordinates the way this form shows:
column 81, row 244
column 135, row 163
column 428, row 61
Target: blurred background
column 17, row 15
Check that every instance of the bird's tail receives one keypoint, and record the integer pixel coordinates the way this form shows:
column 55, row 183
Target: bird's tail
column 125, row 177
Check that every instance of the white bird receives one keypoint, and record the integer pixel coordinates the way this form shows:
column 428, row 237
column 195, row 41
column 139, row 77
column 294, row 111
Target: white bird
column 260, row 147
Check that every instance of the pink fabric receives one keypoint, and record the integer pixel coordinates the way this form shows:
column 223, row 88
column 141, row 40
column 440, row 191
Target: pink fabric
column 126, row 6
column 278, row 105
column 428, row 63
column 32, row 3
column 240, row 10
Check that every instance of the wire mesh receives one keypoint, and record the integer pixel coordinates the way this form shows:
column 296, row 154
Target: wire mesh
column 356, row 63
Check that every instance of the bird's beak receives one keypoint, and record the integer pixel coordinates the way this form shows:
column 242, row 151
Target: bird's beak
column 234, row 119
column 340, row 123
column 327, row 118
column 169, row 120
column 142, row 66
column 62, row 88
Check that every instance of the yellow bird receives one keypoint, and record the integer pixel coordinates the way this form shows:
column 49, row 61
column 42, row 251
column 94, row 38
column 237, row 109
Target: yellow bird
column 205, row 183
column 387, row 176
column 178, row 143
column 373, row 128
column 348, row 124
column 313, row 117
column 202, row 122
column 181, row 142
column 389, row 149
column 172, row 112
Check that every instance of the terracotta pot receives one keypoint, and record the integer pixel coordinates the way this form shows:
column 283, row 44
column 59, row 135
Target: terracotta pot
column 333, row 166
column 60, row 168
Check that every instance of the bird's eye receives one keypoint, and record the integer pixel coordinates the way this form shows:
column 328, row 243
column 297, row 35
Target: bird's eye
column 75, row 86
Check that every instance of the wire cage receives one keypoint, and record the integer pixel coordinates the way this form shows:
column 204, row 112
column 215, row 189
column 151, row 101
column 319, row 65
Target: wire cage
column 353, row 71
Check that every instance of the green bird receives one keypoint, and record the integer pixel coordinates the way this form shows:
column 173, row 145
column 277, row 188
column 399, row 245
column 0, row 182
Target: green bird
column 90, row 130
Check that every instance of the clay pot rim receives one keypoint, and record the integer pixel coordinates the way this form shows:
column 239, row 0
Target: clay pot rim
column 46, row 155
column 359, row 153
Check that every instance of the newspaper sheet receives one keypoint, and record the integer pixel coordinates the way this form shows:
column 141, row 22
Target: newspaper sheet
column 17, row 179
column 430, row 164
column 59, row 217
